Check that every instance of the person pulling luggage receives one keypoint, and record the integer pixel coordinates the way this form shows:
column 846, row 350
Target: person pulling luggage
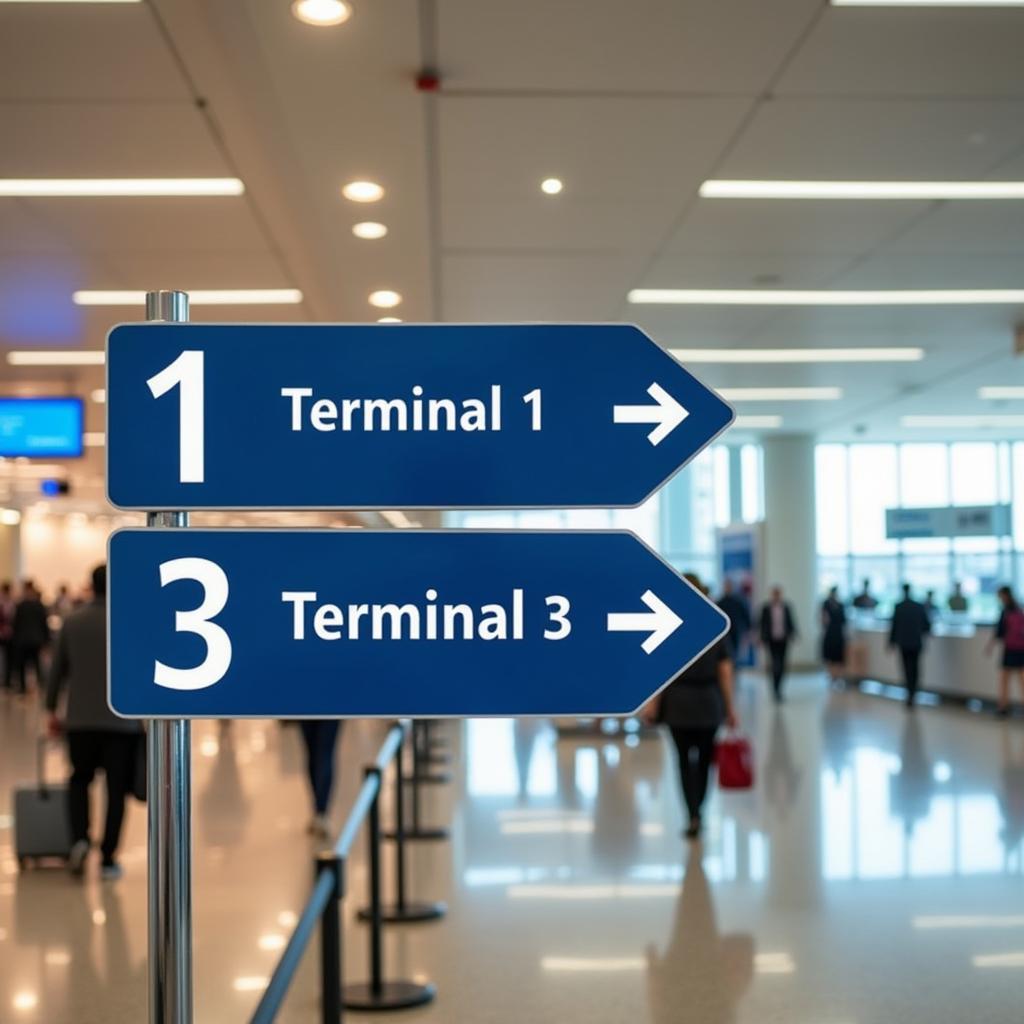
column 97, row 739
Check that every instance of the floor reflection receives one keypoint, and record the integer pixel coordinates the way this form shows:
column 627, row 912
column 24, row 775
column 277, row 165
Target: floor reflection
column 701, row 975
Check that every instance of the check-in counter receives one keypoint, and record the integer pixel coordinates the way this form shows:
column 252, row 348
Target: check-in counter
column 954, row 664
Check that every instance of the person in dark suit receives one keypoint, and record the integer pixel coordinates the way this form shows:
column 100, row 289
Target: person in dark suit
column 739, row 619
column 910, row 625
column 30, row 633
column 778, row 628
column 833, row 640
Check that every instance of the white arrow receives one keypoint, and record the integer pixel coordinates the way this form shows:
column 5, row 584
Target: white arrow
column 668, row 414
column 661, row 623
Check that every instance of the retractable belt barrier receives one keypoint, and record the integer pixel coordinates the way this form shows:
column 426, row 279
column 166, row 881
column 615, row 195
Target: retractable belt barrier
column 325, row 906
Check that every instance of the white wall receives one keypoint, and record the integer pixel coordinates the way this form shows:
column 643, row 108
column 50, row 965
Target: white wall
column 61, row 549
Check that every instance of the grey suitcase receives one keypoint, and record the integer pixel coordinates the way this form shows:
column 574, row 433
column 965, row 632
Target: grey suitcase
column 42, row 828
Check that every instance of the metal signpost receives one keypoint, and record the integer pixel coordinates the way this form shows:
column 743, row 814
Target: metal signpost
column 331, row 623
column 169, row 808
column 395, row 624
column 397, row 416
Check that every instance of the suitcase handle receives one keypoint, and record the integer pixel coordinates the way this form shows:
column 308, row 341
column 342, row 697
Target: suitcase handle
column 41, row 743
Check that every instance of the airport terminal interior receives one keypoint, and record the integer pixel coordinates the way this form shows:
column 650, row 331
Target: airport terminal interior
column 813, row 207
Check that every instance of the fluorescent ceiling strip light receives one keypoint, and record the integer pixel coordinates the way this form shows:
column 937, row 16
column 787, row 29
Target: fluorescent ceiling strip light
column 937, row 921
column 826, row 394
column 773, row 297
column 798, row 355
column 999, row 960
column 737, row 189
column 70, row 358
column 222, row 297
column 963, row 421
column 88, row 187
column 757, row 422
column 1001, row 391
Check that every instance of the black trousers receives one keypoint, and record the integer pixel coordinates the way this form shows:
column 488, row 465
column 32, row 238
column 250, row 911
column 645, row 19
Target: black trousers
column 911, row 669
column 114, row 753
column 696, row 750
column 19, row 658
column 777, row 654
column 320, row 737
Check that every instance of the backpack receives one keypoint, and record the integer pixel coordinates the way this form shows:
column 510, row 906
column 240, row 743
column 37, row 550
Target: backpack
column 1013, row 626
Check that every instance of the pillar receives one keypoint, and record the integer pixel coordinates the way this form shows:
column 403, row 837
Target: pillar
column 789, row 557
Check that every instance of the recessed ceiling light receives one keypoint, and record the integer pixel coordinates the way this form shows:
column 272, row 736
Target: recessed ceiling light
column 726, row 189
column 99, row 396
column 385, row 299
column 551, row 186
column 29, row 187
column 389, row 319
column 827, row 394
column 363, row 191
column 757, row 422
column 73, row 357
column 221, row 297
column 773, row 297
column 967, row 421
column 1001, row 391
column 321, row 13
column 369, row 229
column 798, row 355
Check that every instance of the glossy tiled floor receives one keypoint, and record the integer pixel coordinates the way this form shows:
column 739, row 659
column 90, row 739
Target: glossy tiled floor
column 876, row 874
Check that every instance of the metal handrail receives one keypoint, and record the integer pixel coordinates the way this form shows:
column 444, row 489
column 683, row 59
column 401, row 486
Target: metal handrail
column 328, row 880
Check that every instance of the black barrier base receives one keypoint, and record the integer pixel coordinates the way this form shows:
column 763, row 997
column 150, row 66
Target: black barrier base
column 429, row 779
column 420, row 834
column 409, row 914
column 392, row 995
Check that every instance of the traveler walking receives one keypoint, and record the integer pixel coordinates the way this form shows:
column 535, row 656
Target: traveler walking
column 778, row 628
column 693, row 706
column 320, row 737
column 910, row 625
column 30, row 633
column 1010, row 630
column 96, row 738
column 738, row 610
column 833, row 640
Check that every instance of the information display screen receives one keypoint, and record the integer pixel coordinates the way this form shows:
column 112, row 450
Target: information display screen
column 41, row 427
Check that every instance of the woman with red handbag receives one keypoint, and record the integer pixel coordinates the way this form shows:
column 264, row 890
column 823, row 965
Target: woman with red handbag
column 693, row 706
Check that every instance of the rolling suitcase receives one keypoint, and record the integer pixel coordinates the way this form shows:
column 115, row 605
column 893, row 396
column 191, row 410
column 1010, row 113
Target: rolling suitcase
column 41, row 825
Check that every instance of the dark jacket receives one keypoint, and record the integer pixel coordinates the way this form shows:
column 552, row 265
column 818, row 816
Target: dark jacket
column 694, row 699
column 910, row 625
column 80, row 663
column 739, row 618
column 30, row 628
column 766, row 622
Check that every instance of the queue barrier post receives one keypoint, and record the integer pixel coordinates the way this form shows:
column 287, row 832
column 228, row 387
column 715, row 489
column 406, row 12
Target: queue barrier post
column 403, row 911
column 331, row 1009
column 418, row 832
column 378, row 994
column 421, row 772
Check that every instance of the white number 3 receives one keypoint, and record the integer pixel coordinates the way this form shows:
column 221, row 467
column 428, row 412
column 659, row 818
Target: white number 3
column 218, row 644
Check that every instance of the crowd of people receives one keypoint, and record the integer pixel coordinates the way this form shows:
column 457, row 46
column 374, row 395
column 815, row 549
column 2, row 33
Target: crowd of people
column 696, row 704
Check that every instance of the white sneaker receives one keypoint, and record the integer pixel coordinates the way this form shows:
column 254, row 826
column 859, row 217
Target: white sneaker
column 76, row 858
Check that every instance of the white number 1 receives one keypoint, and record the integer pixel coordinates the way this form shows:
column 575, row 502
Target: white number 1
column 187, row 372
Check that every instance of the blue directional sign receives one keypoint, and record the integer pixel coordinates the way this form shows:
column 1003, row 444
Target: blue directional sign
column 227, row 416
column 339, row 623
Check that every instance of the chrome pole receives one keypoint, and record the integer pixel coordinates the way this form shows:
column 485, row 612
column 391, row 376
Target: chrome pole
column 169, row 803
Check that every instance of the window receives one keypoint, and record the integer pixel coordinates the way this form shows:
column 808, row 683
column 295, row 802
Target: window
column 855, row 484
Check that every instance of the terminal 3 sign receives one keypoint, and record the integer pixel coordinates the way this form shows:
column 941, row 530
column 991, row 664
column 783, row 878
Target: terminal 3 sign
column 334, row 623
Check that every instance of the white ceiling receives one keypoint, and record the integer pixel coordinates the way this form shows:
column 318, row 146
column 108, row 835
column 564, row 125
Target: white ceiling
column 633, row 105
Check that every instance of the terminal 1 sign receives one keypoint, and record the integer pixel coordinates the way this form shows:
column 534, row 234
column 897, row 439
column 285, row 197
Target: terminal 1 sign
column 334, row 623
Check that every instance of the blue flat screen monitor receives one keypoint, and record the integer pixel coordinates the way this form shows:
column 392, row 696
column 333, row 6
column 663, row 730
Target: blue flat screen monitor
column 41, row 428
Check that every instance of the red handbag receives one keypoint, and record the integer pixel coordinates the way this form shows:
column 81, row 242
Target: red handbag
column 734, row 757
